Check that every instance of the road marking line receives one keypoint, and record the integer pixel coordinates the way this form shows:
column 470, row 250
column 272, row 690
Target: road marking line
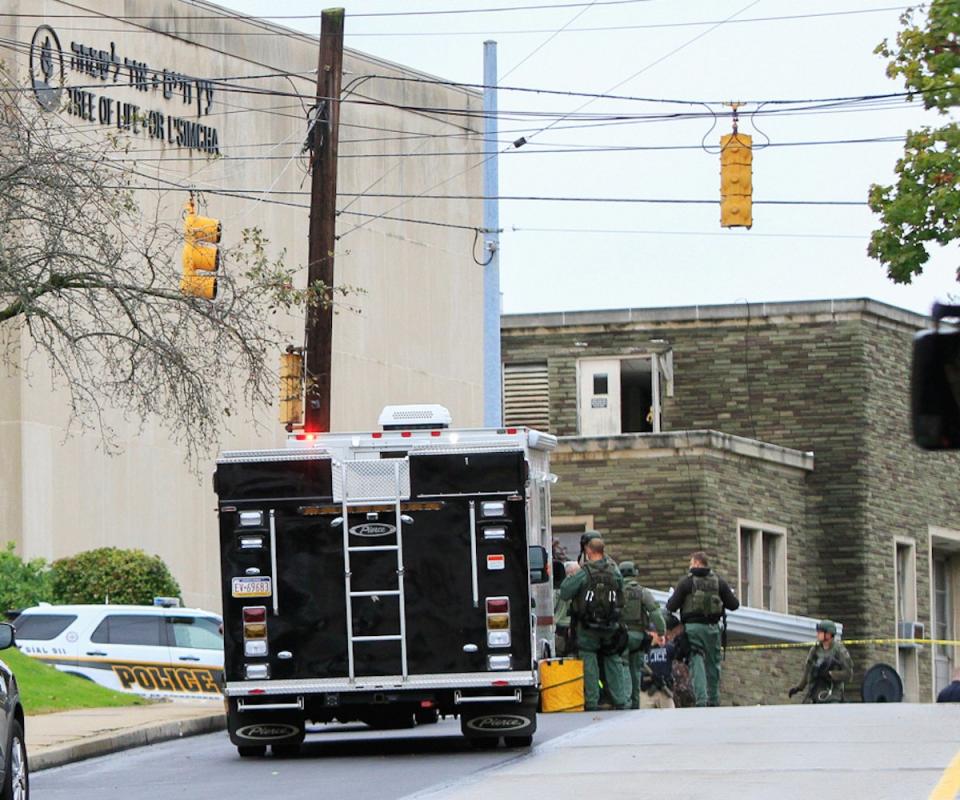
column 949, row 783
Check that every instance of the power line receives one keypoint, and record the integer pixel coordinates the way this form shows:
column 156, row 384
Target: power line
column 529, row 198
column 251, row 18
column 544, row 151
column 512, row 32
column 553, row 35
column 228, row 84
column 648, row 26
column 651, row 232
column 617, row 86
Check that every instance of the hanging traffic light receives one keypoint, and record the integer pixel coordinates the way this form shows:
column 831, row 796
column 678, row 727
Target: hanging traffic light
column 201, row 256
column 736, row 180
column 291, row 387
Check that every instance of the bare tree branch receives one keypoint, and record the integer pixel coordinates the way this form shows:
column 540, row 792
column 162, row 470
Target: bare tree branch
column 93, row 279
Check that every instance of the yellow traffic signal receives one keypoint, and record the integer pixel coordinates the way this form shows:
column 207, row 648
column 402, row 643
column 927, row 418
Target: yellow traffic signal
column 291, row 387
column 201, row 256
column 736, row 181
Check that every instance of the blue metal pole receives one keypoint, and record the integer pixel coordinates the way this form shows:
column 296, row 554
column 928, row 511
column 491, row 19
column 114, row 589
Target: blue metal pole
column 492, row 378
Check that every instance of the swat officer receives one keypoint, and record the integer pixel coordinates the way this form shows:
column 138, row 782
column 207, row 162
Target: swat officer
column 827, row 667
column 703, row 598
column 645, row 626
column 596, row 589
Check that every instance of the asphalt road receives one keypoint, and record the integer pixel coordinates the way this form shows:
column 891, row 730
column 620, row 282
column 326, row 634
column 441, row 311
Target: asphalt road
column 336, row 762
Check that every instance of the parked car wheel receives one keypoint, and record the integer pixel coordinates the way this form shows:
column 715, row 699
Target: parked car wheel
column 16, row 785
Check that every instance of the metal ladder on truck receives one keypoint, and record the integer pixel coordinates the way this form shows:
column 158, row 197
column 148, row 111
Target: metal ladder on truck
column 369, row 483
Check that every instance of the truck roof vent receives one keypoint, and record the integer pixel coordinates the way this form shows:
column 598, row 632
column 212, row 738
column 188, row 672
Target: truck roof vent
column 414, row 417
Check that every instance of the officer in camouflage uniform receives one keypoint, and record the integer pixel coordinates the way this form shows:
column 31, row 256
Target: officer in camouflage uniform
column 701, row 597
column 595, row 640
column 565, row 643
column 645, row 626
column 827, row 668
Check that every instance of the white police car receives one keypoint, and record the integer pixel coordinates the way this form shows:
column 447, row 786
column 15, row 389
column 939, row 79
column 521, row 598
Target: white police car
column 149, row 650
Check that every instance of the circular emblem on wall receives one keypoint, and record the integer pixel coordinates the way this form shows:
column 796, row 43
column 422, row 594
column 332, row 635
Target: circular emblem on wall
column 47, row 72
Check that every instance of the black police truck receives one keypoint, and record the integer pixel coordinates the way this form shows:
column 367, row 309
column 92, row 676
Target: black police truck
column 388, row 576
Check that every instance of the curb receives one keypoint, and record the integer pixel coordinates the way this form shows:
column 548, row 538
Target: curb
column 125, row 740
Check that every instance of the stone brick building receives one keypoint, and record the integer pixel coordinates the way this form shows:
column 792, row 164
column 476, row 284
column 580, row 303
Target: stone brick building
column 776, row 437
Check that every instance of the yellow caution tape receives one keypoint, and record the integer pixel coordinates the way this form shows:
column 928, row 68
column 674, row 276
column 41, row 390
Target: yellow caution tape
column 848, row 642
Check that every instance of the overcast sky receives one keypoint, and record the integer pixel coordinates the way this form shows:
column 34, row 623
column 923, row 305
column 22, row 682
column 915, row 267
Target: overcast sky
column 567, row 256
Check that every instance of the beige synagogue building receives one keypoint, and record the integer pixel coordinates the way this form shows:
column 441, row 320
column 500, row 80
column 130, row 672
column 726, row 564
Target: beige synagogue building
column 415, row 334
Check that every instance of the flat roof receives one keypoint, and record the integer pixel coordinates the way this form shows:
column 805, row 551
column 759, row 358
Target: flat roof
column 672, row 443
column 716, row 313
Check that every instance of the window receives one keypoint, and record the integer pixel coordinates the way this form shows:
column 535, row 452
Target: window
column 566, row 536
column 905, row 585
column 600, row 383
column 526, row 395
column 201, row 633
column 763, row 566
column 141, row 629
column 42, row 627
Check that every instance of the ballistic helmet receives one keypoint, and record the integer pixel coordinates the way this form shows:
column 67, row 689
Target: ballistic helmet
column 628, row 569
column 827, row 626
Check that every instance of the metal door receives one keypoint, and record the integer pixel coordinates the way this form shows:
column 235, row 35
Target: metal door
column 599, row 397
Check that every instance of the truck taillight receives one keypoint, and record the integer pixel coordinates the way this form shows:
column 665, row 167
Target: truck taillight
column 255, row 631
column 498, row 621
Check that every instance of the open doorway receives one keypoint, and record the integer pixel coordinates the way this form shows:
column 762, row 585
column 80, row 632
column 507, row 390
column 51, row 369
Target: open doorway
column 636, row 396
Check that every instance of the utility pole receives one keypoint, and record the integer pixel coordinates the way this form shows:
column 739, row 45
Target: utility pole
column 492, row 377
column 318, row 336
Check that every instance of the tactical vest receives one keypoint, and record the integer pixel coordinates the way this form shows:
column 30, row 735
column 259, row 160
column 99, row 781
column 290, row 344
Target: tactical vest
column 600, row 602
column 704, row 601
column 634, row 613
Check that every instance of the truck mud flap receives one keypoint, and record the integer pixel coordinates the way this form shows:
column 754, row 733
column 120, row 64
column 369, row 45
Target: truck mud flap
column 252, row 728
column 493, row 720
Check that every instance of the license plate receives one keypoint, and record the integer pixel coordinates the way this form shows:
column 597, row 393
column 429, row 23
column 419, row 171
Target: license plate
column 251, row 587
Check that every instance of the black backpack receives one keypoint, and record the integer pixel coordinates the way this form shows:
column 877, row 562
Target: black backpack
column 601, row 603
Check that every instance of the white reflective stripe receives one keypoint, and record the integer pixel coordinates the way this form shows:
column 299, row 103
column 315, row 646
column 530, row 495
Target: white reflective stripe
column 457, row 680
column 473, row 554
column 273, row 561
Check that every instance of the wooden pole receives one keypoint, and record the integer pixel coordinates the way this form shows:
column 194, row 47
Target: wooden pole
column 323, row 222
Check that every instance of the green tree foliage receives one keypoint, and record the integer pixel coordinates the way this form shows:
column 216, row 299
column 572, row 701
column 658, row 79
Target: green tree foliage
column 22, row 583
column 924, row 204
column 122, row 576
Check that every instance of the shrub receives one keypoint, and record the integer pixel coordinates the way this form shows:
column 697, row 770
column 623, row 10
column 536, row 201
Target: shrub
column 114, row 575
column 22, row 583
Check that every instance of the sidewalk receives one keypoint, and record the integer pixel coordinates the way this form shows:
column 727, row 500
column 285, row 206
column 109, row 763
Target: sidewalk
column 883, row 751
column 57, row 739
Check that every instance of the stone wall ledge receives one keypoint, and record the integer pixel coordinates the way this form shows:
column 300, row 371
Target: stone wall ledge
column 677, row 443
column 754, row 313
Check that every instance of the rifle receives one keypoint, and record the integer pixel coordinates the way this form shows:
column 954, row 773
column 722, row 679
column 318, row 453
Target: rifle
column 723, row 635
